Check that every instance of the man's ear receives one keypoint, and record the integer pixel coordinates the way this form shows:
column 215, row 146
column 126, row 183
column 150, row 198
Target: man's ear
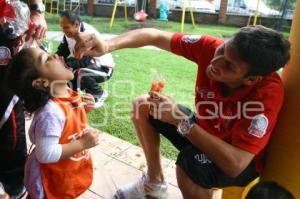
column 40, row 83
column 250, row 80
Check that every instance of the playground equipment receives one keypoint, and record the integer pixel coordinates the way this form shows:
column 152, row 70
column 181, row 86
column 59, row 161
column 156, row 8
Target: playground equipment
column 114, row 13
column 256, row 12
column 163, row 10
column 139, row 14
column 283, row 159
column 55, row 5
column 185, row 2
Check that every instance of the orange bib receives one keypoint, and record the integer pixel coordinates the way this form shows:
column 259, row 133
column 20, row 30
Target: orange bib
column 70, row 177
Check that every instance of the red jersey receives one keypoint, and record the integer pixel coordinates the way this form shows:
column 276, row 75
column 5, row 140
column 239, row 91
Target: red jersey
column 244, row 119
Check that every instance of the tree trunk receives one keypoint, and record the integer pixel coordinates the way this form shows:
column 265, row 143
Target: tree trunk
column 223, row 11
column 90, row 7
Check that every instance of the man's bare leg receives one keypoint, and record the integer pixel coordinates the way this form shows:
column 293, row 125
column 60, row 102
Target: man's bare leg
column 148, row 136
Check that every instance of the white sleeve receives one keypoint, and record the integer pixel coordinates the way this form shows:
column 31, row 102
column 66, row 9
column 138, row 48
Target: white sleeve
column 48, row 149
column 45, row 132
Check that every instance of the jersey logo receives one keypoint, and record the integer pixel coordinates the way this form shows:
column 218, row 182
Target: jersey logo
column 5, row 55
column 191, row 38
column 258, row 126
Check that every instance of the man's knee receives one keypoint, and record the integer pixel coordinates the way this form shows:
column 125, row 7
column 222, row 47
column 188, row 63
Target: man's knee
column 140, row 108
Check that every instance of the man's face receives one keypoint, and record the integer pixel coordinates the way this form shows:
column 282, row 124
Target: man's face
column 68, row 28
column 227, row 66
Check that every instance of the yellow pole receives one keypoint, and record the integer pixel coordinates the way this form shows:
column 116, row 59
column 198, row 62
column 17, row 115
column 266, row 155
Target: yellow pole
column 51, row 6
column 71, row 5
column 183, row 16
column 256, row 12
column 64, row 5
column 283, row 157
column 125, row 11
column 192, row 15
column 57, row 6
column 113, row 14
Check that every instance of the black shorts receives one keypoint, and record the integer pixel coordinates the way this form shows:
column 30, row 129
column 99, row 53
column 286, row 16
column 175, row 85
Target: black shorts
column 195, row 164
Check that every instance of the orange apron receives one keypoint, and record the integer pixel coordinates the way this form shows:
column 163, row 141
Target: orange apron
column 70, row 177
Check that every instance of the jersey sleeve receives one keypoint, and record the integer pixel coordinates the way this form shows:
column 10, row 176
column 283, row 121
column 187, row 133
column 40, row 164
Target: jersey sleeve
column 196, row 48
column 253, row 131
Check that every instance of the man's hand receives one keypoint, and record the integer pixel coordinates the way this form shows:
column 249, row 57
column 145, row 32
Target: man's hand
column 37, row 27
column 89, row 45
column 165, row 108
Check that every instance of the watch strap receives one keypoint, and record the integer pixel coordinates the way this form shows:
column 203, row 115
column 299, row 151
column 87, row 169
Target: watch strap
column 39, row 7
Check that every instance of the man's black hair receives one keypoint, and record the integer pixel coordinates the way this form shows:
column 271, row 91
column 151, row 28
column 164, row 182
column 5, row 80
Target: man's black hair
column 263, row 49
column 269, row 190
column 71, row 16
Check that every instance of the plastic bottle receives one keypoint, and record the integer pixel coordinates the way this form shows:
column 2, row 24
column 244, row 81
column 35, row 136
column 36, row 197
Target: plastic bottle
column 158, row 82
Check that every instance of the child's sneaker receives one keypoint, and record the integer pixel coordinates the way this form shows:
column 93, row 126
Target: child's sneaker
column 99, row 101
column 136, row 190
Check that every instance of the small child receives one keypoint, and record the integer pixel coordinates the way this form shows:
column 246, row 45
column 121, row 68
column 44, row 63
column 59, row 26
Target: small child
column 59, row 166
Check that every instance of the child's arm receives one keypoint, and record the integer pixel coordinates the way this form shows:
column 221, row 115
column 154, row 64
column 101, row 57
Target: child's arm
column 48, row 149
column 89, row 139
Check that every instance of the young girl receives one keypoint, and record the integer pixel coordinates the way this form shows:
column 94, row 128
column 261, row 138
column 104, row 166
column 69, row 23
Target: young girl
column 59, row 166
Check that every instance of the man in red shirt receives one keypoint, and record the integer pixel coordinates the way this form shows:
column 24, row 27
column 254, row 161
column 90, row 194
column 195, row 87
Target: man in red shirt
column 238, row 96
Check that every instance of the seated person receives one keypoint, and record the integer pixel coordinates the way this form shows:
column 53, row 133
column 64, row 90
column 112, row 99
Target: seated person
column 89, row 71
column 238, row 96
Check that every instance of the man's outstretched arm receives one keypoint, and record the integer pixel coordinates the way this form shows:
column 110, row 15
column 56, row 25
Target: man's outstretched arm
column 90, row 45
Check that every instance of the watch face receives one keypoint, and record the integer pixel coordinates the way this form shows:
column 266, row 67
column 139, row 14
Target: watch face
column 183, row 127
column 41, row 7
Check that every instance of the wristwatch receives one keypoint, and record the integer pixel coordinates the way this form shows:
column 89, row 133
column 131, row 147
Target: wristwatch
column 185, row 126
column 38, row 7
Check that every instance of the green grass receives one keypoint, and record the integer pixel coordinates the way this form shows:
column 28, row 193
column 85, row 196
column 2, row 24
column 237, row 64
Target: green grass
column 132, row 78
column 119, row 26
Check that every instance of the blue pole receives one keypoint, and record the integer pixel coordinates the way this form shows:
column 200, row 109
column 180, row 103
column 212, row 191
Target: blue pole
column 278, row 28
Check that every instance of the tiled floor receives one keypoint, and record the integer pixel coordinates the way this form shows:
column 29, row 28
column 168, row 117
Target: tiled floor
column 117, row 162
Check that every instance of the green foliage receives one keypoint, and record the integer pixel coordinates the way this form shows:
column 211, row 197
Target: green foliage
column 277, row 4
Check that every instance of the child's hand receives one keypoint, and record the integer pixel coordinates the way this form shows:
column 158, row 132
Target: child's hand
column 89, row 102
column 90, row 138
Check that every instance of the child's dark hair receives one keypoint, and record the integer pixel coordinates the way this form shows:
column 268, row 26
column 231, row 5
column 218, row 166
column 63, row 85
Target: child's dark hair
column 269, row 190
column 264, row 49
column 71, row 16
column 20, row 76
